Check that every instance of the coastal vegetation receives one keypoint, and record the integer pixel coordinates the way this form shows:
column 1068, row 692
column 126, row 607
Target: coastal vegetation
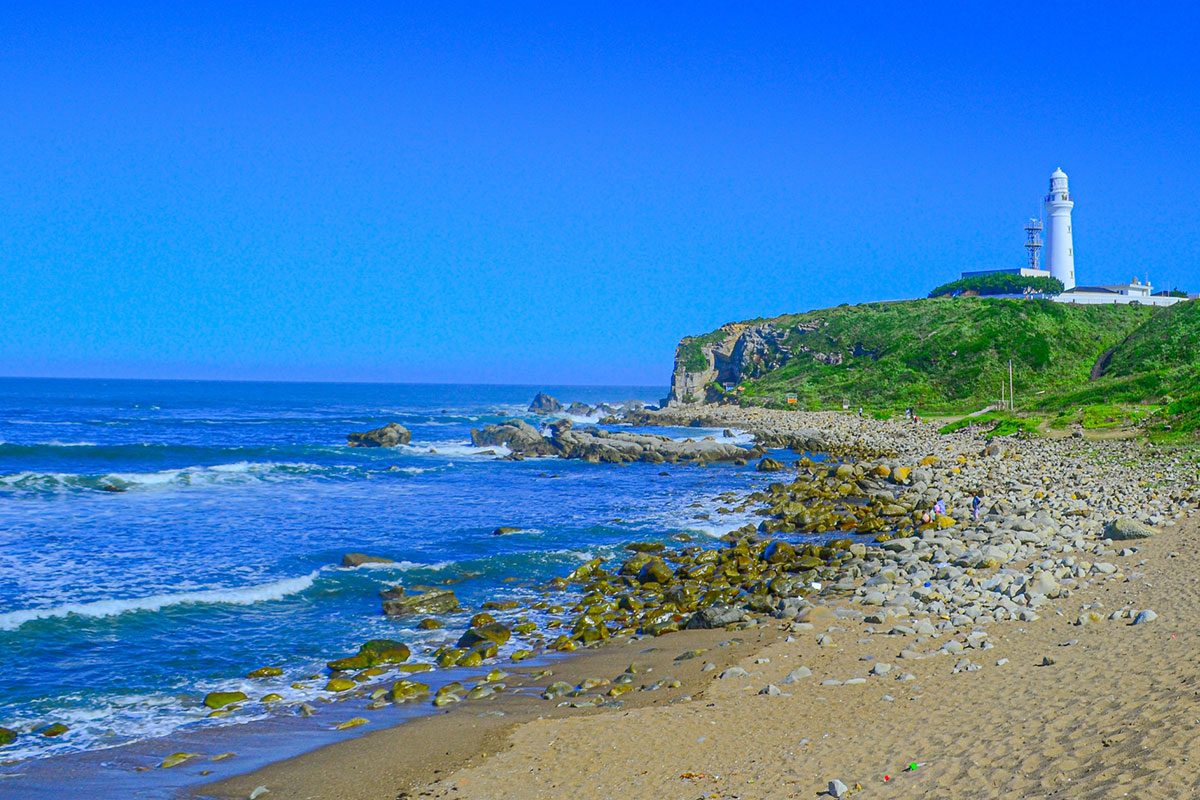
column 995, row 423
column 691, row 353
column 999, row 283
column 1072, row 365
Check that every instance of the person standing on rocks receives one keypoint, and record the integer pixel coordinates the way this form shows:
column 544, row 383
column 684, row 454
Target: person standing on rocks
column 975, row 503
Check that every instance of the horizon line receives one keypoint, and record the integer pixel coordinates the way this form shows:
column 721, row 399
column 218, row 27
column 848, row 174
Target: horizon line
column 330, row 382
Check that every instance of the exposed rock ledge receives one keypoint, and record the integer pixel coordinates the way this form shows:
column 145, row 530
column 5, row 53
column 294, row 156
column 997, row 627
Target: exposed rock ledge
column 389, row 435
column 598, row 446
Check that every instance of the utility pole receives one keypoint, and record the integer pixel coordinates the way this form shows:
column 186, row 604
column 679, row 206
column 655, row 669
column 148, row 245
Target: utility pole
column 1012, row 400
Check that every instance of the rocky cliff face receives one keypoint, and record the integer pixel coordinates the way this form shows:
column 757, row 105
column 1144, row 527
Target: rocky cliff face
column 747, row 351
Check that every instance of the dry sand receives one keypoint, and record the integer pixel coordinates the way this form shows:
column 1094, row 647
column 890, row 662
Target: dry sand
column 1117, row 714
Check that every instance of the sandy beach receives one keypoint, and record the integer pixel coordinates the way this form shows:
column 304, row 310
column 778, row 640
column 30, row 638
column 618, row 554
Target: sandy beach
column 1075, row 700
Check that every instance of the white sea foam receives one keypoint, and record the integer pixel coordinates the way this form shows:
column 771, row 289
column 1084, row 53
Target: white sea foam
column 739, row 437
column 574, row 552
column 409, row 565
column 454, row 448
column 401, row 565
column 418, row 470
column 236, row 472
column 241, row 596
column 577, row 419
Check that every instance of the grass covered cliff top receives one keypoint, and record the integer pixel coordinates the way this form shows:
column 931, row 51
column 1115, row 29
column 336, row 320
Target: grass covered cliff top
column 951, row 355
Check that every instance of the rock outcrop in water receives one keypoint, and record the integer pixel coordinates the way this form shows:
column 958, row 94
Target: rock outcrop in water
column 545, row 404
column 605, row 447
column 358, row 559
column 398, row 603
column 389, row 435
column 517, row 435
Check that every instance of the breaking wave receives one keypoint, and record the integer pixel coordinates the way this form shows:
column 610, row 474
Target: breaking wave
column 244, row 596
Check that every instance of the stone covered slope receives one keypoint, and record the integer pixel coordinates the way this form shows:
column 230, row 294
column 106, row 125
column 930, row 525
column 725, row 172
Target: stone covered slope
column 946, row 353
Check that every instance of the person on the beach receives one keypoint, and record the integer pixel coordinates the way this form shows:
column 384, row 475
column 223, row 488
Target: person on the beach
column 975, row 503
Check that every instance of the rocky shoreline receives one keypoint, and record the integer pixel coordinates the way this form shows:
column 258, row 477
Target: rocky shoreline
column 599, row 446
column 1056, row 517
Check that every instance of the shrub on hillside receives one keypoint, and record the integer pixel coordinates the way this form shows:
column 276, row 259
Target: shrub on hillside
column 999, row 283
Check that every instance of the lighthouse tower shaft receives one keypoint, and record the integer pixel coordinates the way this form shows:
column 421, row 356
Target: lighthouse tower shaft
column 1060, row 251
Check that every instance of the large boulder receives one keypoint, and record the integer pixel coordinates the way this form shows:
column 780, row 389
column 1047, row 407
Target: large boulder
column 517, row 435
column 434, row 601
column 1123, row 528
column 389, row 435
column 579, row 409
column 717, row 616
column 545, row 404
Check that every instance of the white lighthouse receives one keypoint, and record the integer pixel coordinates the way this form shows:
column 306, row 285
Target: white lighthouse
column 1060, row 263
column 1060, row 251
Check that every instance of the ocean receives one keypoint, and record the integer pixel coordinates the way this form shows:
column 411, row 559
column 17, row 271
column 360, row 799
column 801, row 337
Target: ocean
column 120, row 610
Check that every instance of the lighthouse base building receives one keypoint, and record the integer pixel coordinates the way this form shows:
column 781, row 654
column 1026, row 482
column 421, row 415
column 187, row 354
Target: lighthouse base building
column 1060, row 259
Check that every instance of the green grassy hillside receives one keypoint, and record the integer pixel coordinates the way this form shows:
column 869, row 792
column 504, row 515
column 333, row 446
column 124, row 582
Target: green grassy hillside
column 944, row 354
column 1159, row 362
column 951, row 354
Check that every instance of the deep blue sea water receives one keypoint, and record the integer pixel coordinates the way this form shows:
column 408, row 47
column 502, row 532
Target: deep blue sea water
column 120, row 610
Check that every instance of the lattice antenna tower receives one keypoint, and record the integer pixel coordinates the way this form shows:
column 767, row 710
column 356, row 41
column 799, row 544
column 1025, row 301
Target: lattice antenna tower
column 1033, row 241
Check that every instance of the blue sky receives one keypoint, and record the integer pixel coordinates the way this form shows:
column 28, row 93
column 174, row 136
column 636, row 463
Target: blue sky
column 550, row 193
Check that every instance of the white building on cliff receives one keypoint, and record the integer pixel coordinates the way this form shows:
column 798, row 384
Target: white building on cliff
column 1060, row 258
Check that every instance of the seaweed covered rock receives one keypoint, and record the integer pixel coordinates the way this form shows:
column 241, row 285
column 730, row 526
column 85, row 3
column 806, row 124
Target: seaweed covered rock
column 494, row 632
column 655, row 570
column 779, row 552
column 222, row 699
column 390, row 435
column 434, row 601
column 450, row 693
column 372, row 654
column 405, row 690
column 265, row 672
